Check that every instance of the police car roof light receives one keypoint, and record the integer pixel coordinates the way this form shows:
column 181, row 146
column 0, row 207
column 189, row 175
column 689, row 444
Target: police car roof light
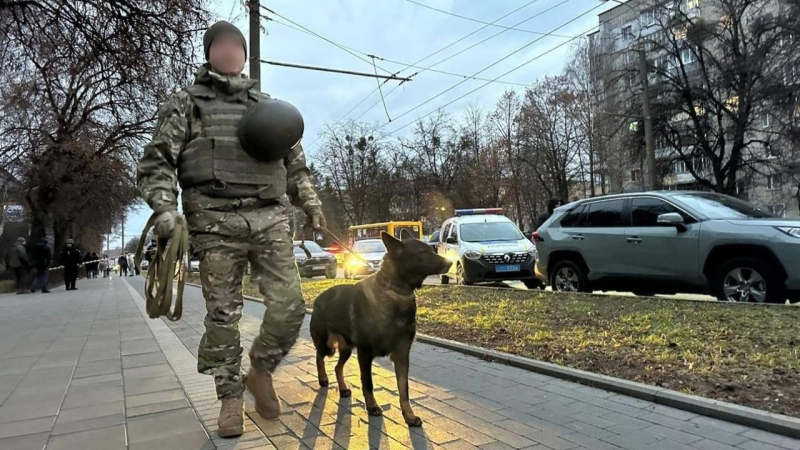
column 478, row 211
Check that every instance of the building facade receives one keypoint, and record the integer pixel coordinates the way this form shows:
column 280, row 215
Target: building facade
column 767, row 180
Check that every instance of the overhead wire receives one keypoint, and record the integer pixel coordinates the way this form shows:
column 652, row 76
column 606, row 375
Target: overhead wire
column 415, row 63
column 481, row 86
column 340, row 46
column 503, row 59
column 481, row 21
column 469, row 48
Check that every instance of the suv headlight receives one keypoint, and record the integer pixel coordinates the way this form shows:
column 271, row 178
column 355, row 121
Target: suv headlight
column 532, row 251
column 791, row 231
column 472, row 254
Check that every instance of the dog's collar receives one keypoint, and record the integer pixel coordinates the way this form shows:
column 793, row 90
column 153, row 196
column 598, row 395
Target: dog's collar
column 385, row 281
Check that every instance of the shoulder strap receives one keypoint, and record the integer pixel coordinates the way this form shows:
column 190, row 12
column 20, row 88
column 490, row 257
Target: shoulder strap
column 200, row 91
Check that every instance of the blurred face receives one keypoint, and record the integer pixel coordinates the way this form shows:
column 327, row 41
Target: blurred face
column 226, row 55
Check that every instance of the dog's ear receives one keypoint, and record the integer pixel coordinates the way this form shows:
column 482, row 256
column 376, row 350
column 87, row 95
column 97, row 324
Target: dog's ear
column 405, row 234
column 393, row 245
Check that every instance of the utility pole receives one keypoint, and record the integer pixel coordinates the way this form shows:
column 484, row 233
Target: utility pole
column 649, row 142
column 255, row 41
column 650, row 147
column 123, row 234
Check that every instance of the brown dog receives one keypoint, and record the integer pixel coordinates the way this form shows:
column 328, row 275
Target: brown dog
column 377, row 317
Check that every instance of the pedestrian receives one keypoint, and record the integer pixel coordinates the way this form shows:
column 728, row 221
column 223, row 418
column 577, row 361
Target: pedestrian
column 21, row 265
column 234, row 215
column 109, row 264
column 132, row 270
column 71, row 259
column 123, row 265
column 42, row 258
column 95, row 264
column 552, row 204
column 102, row 266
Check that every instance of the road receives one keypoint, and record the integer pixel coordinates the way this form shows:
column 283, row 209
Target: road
column 435, row 281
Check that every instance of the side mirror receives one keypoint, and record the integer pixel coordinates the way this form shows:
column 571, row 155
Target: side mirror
column 672, row 220
column 452, row 240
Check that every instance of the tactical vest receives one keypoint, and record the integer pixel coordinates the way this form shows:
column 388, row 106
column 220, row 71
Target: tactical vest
column 215, row 162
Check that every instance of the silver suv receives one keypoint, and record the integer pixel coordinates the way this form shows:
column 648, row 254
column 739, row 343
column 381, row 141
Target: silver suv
column 670, row 242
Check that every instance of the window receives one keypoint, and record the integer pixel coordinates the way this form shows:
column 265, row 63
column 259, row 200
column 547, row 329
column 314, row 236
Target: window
column 679, row 167
column 645, row 212
column 605, row 214
column 648, row 18
column 766, row 121
column 369, row 246
column 633, row 127
column 721, row 207
column 490, row 232
column 774, row 183
column 454, row 233
column 629, row 57
column 636, row 175
column 778, row 210
column 446, row 232
column 688, row 56
column 691, row 4
column 575, row 218
column 627, row 32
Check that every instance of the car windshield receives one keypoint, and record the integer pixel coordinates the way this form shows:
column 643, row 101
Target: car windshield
column 312, row 247
column 718, row 206
column 490, row 231
column 369, row 247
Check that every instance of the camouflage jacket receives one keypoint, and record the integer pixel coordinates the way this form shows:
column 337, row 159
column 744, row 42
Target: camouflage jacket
column 177, row 125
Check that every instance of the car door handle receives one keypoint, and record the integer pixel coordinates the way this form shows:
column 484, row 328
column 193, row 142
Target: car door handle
column 634, row 239
column 578, row 237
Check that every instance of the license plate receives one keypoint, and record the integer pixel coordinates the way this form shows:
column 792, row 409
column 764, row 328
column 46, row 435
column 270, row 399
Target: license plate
column 507, row 268
column 318, row 268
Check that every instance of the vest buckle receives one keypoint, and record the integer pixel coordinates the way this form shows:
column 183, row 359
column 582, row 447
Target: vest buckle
column 218, row 185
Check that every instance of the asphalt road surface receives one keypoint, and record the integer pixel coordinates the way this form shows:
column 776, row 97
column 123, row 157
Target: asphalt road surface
column 434, row 281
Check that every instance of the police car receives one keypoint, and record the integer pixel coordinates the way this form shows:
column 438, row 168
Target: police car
column 486, row 246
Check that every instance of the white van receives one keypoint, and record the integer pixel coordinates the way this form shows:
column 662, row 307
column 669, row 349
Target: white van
column 486, row 246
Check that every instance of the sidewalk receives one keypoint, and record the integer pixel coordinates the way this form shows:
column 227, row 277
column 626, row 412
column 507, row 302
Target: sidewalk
column 87, row 370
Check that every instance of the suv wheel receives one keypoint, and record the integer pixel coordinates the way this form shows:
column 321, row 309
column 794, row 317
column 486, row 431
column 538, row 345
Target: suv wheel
column 747, row 280
column 461, row 278
column 568, row 277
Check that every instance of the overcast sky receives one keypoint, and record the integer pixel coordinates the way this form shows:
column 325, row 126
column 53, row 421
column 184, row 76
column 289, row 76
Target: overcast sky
column 405, row 32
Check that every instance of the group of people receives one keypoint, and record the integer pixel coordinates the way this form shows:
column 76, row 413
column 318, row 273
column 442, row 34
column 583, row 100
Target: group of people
column 37, row 262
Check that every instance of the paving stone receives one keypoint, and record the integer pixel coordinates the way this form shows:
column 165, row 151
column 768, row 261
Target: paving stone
column 671, row 434
column 25, row 427
column 87, row 396
column 112, row 438
column 143, row 359
column 148, row 385
column 88, row 424
column 90, row 412
column 31, row 410
column 589, row 442
column 708, row 444
column 161, row 425
column 157, row 407
column 771, row 438
column 195, row 440
column 28, row 442
column 133, row 401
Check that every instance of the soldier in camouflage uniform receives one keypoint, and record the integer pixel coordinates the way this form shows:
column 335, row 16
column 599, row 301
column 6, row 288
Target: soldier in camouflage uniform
column 236, row 213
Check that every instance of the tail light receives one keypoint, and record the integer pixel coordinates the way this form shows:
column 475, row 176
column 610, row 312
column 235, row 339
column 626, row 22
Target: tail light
column 536, row 237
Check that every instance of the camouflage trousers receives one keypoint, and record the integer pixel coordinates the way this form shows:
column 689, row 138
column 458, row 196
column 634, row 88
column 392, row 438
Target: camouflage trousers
column 226, row 242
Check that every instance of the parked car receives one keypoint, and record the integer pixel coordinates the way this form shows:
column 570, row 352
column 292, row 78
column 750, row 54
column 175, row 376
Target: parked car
column 194, row 265
column 371, row 250
column 145, row 264
column 433, row 239
column 486, row 246
column 671, row 242
column 316, row 263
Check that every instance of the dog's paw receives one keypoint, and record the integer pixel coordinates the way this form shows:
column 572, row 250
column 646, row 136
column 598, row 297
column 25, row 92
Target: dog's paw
column 414, row 422
column 374, row 411
column 323, row 383
column 345, row 393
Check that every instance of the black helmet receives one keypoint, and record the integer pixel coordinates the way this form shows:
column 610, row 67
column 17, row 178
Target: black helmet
column 270, row 129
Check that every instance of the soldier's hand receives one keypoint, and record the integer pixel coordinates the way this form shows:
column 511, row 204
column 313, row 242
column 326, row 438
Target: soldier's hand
column 317, row 220
column 165, row 224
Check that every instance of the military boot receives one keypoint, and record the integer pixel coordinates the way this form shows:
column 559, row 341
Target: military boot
column 231, row 417
column 268, row 405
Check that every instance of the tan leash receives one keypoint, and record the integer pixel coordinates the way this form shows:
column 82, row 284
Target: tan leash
column 166, row 267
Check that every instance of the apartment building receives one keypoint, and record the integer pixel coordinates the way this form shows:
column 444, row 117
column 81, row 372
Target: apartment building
column 767, row 182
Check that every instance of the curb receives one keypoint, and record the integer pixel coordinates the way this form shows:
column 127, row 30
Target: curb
column 742, row 415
